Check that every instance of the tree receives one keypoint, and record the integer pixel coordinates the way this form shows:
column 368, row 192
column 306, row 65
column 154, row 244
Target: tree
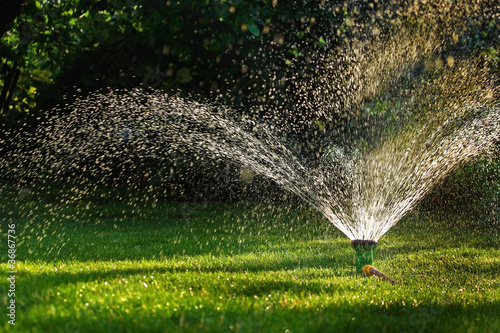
column 238, row 50
column 9, row 10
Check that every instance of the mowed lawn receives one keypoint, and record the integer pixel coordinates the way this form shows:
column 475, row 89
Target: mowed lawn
column 151, row 266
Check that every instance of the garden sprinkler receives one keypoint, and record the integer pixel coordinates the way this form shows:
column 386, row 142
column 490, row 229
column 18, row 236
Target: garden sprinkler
column 364, row 258
column 364, row 252
column 369, row 270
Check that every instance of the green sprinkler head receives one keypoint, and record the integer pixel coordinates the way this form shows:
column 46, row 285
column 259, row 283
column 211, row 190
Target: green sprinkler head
column 364, row 252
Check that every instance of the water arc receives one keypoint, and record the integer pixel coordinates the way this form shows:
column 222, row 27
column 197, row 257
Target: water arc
column 361, row 191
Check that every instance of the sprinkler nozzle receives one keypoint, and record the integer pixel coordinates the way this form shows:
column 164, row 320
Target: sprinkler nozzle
column 369, row 270
column 363, row 242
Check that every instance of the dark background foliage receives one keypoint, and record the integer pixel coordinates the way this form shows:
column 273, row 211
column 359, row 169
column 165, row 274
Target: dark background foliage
column 254, row 55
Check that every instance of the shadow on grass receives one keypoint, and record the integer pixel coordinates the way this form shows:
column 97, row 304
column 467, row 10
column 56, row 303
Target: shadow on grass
column 315, row 267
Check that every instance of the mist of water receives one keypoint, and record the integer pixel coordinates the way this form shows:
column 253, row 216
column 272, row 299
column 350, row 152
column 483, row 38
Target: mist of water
column 363, row 191
column 361, row 171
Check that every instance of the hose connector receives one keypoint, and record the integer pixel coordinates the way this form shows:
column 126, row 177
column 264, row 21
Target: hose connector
column 369, row 270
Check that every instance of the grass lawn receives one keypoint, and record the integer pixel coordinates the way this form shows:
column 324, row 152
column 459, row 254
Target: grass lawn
column 181, row 267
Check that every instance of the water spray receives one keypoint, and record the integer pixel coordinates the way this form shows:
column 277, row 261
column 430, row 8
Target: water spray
column 369, row 270
column 364, row 252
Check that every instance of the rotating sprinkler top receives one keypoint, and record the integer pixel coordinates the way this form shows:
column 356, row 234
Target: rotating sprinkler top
column 363, row 242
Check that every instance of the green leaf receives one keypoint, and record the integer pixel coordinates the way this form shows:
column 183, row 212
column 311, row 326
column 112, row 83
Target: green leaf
column 254, row 29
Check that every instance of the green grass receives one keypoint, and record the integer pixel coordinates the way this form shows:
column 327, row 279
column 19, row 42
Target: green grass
column 180, row 267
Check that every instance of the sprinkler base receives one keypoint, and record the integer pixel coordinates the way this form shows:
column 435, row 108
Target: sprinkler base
column 364, row 252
